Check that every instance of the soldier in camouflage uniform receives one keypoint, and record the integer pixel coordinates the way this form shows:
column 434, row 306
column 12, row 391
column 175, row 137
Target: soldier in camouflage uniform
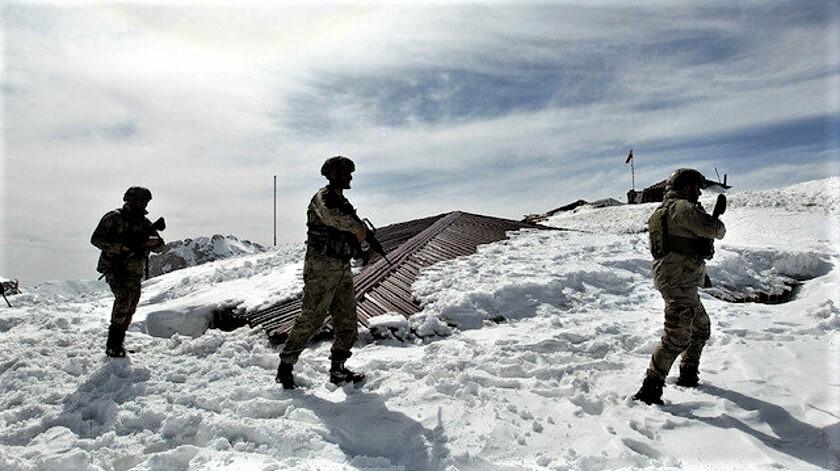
column 125, row 236
column 681, row 236
column 334, row 236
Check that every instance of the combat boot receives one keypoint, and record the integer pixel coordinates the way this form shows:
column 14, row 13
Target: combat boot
column 339, row 374
column 285, row 376
column 114, row 345
column 688, row 376
column 651, row 391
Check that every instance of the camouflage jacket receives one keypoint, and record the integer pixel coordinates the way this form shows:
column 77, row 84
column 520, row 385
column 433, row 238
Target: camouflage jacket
column 688, row 221
column 120, row 236
column 330, row 220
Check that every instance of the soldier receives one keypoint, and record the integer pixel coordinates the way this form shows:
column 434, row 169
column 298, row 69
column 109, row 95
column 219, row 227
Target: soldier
column 681, row 239
column 125, row 237
column 334, row 236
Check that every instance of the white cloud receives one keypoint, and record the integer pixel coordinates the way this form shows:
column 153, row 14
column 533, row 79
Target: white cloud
column 496, row 108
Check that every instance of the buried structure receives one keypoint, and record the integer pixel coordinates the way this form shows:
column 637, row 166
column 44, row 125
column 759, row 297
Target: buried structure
column 411, row 246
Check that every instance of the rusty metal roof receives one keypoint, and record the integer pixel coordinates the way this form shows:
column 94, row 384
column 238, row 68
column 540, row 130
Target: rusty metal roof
column 411, row 246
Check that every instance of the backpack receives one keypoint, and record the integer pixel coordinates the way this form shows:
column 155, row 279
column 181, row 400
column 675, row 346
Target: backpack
column 658, row 231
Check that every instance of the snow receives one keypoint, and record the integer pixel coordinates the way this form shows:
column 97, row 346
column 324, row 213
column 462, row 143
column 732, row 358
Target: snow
column 523, row 358
column 818, row 196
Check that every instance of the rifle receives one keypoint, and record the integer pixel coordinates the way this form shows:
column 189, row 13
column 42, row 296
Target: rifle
column 370, row 237
column 720, row 206
column 136, row 246
column 374, row 243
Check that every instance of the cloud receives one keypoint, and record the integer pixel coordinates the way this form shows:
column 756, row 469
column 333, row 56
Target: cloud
column 497, row 108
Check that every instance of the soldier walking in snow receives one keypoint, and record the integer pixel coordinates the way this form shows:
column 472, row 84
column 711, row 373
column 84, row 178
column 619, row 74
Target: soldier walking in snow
column 681, row 239
column 334, row 236
column 125, row 237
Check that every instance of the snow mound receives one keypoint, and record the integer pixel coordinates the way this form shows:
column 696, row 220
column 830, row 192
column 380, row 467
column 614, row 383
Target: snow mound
column 69, row 290
column 820, row 196
column 390, row 326
column 625, row 219
column 184, row 301
column 191, row 321
column 192, row 252
column 531, row 273
column 742, row 273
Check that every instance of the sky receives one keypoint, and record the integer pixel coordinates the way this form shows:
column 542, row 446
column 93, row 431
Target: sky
column 497, row 108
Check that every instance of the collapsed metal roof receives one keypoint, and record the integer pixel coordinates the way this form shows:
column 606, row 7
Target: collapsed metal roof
column 411, row 246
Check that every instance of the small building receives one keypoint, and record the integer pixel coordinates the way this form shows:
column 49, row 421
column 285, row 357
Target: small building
column 654, row 193
column 602, row 203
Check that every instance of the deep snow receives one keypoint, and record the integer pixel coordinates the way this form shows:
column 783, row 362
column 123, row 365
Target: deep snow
column 554, row 331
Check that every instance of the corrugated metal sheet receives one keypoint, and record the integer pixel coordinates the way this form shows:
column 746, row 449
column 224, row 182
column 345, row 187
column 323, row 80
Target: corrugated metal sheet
column 411, row 246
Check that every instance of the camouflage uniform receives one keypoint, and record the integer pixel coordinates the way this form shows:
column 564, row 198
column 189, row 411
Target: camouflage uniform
column 328, row 282
column 678, row 275
column 120, row 235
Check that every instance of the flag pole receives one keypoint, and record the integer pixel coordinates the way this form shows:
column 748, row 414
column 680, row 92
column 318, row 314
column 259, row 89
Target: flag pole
column 633, row 172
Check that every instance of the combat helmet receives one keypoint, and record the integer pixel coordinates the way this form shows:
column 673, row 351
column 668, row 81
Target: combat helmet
column 337, row 163
column 137, row 193
column 686, row 176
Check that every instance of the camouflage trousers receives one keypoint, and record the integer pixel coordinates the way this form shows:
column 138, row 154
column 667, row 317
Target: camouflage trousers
column 328, row 291
column 687, row 328
column 126, row 289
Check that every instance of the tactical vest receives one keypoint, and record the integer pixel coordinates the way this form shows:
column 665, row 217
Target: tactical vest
column 325, row 240
column 662, row 242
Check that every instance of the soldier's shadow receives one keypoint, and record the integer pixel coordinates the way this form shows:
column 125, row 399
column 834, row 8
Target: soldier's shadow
column 91, row 410
column 362, row 425
column 794, row 438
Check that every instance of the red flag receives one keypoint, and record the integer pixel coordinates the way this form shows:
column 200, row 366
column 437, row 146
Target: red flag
column 629, row 157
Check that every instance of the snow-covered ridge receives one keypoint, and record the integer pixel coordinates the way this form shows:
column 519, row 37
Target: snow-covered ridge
column 818, row 196
column 192, row 252
column 67, row 290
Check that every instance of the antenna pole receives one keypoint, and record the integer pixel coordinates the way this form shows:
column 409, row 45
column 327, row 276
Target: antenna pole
column 275, row 210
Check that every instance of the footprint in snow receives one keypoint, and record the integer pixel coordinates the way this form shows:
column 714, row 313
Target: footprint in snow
column 644, row 430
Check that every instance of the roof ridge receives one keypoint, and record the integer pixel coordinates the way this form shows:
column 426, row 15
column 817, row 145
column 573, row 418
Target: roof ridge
column 382, row 287
column 512, row 221
column 371, row 276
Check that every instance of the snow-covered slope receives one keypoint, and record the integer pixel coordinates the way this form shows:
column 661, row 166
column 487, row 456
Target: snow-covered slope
column 554, row 332
column 821, row 197
column 191, row 252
